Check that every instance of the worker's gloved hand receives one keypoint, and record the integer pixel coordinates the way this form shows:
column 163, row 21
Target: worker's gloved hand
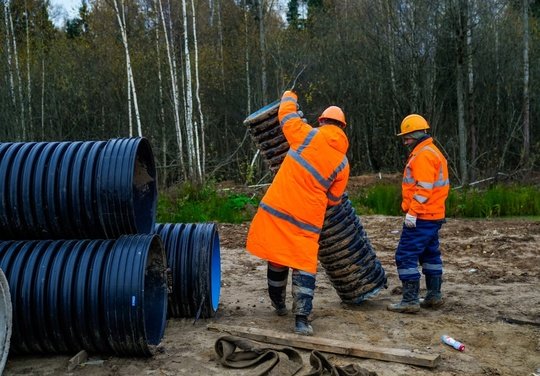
column 301, row 114
column 289, row 93
column 410, row 221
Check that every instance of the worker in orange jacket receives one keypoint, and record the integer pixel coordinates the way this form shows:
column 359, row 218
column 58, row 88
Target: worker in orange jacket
column 425, row 188
column 286, row 228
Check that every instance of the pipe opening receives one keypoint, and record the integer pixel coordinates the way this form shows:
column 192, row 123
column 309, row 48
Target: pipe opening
column 144, row 188
column 155, row 293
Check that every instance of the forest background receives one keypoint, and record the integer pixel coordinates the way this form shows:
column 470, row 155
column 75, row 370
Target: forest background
column 186, row 73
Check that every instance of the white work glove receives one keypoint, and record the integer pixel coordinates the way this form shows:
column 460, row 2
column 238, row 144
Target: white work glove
column 410, row 221
column 301, row 114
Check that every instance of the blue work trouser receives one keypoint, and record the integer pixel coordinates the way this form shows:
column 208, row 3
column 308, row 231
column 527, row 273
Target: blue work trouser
column 419, row 244
column 303, row 287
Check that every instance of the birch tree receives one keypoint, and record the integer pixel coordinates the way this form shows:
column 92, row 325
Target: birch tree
column 160, row 92
column 121, row 18
column 169, row 45
column 201, row 149
column 11, row 41
column 188, row 105
column 9, row 56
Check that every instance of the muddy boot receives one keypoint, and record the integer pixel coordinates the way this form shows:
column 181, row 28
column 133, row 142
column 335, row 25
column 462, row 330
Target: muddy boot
column 433, row 297
column 409, row 303
column 277, row 287
column 302, row 326
column 281, row 310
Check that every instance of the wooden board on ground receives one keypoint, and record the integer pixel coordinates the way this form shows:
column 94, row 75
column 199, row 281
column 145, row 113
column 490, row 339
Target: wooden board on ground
column 512, row 320
column 331, row 345
column 78, row 359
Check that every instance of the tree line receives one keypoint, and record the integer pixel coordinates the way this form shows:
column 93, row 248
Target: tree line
column 186, row 73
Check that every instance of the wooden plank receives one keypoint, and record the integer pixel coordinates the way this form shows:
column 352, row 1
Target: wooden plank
column 79, row 358
column 331, row 345
column 512, row 320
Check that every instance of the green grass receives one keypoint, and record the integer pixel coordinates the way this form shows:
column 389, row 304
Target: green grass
column 192, row 204
column 497, row 201
column 379, row 199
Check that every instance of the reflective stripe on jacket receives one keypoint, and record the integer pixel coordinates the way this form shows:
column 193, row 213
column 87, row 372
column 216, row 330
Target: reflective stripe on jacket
column 425, row 182
column 313, row 175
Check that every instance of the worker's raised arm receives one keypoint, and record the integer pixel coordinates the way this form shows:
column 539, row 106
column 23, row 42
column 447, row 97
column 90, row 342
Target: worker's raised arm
column 294, row 128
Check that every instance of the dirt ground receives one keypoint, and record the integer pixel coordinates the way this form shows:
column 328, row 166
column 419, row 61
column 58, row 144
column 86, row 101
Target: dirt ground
column 492, row 271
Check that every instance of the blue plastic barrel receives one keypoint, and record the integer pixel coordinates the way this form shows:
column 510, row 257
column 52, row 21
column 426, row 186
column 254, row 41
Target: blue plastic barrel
column 77, row 190
column 103, row 296
column 194, row 261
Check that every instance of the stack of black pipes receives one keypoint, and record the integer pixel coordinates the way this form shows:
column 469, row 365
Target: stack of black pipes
column 85, row 262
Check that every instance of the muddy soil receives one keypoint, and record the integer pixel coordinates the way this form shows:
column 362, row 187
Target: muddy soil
column 492, row 272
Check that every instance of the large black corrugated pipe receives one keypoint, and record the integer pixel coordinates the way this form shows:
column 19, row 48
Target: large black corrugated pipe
column 348, row 256
column 344, row 248
column 5, row 320
column 103, row 296
column 194, row 260
column 84, row 190
column 266, row 132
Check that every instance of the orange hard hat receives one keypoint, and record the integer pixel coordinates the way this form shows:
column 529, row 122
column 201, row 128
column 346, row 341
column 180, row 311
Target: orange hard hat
column 413, row 123
column 335, row 113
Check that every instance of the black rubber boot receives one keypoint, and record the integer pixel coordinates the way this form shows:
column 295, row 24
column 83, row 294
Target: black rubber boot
column 277, row 287
column 302, row 326
column 409, row 303
column 433, row 297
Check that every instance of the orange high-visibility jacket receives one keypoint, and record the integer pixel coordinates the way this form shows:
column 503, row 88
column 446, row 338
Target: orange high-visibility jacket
column 425, row 182
column 313, row 175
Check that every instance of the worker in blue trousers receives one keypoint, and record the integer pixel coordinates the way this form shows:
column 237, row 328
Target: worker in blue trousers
column 425, row 188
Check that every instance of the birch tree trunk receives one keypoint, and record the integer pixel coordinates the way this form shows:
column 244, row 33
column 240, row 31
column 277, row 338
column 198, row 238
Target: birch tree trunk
column 526, row 100
column 211, row 15
column 201, row 149
column 130, row 116
column 174, row 85
column 7, row 12
column 188, row 105
column 121, row 18
column 18, row 75
column 161, row 117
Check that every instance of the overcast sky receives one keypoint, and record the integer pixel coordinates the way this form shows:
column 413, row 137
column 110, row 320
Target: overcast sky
column 62, row 9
